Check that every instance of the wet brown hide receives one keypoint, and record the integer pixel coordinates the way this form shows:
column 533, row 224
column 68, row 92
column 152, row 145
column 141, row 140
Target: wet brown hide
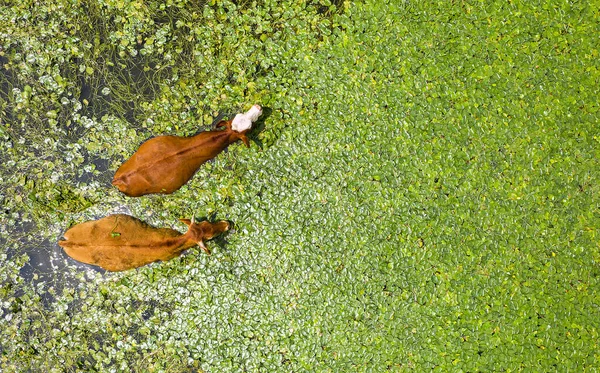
column 165, row 163
column 121, row 242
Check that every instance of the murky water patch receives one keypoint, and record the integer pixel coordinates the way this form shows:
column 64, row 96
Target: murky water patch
column 48, row 269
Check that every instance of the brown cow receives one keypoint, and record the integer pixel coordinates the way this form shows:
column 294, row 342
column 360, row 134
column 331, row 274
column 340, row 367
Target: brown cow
column 165, row 163
column 120, row 242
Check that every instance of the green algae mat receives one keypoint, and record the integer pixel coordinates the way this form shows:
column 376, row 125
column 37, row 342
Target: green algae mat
column 422, row 192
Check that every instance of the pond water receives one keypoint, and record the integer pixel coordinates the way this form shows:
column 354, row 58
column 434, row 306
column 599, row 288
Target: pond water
column 49, row 266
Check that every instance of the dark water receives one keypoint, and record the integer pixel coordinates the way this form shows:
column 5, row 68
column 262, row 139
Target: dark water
column 49, row 269
column 49, row 265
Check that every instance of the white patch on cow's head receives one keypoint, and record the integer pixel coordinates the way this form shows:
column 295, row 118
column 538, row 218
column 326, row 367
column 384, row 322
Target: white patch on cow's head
column 243, row 122
column 254, row 112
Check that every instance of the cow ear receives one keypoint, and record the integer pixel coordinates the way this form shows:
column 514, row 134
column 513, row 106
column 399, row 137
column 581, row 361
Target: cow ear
column 224, row 123
column 203, row 247
column 245, row 140
column 187, row 222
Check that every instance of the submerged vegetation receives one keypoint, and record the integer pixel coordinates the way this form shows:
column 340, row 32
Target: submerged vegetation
column 421, row 193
